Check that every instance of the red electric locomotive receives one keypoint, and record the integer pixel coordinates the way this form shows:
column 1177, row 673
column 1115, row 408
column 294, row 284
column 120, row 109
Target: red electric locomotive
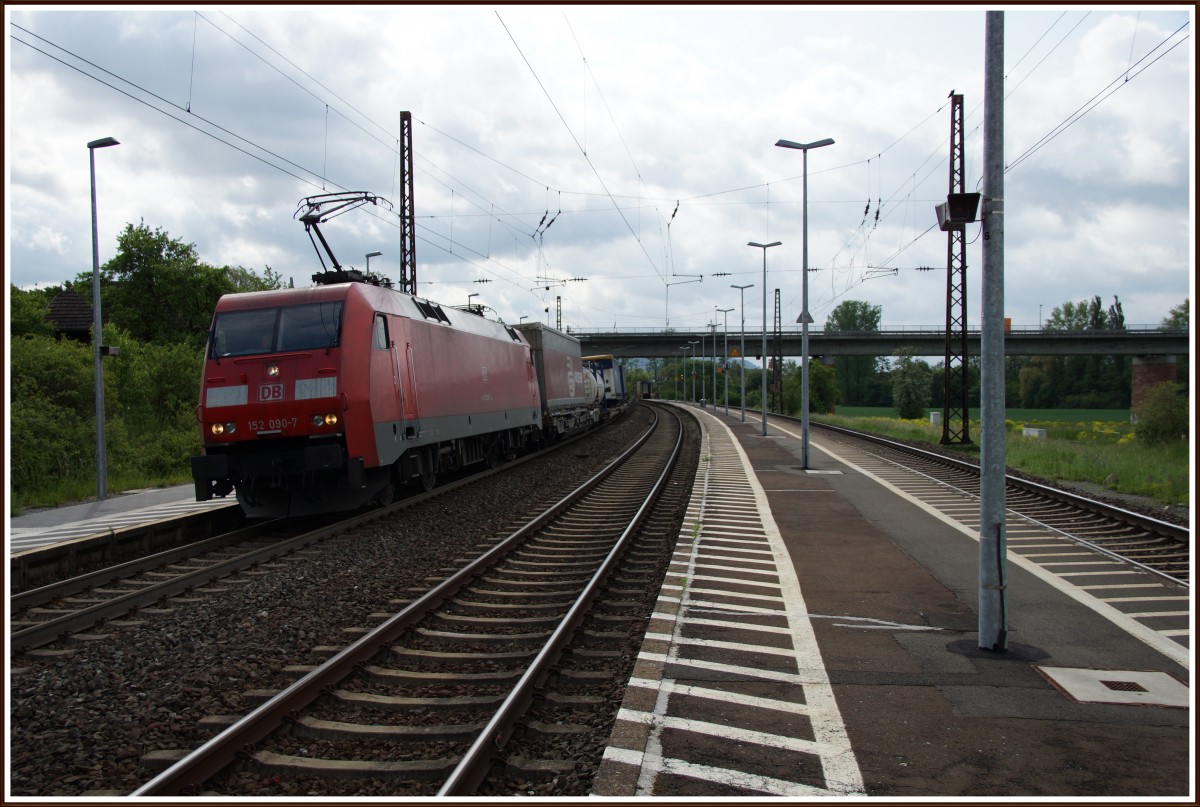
column 326, row 398
column 323, row 399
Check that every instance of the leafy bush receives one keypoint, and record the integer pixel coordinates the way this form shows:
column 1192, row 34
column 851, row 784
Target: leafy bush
column 48, row 442
column 1162, row 416
column 910, row 386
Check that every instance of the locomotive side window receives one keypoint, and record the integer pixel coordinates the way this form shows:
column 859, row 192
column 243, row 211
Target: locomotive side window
column 276, row 330
column 381, row 333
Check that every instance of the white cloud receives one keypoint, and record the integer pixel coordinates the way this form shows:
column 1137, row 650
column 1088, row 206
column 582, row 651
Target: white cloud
column 672, row 105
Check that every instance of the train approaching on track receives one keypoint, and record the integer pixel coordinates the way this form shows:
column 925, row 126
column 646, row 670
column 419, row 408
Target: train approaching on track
column 332, row 397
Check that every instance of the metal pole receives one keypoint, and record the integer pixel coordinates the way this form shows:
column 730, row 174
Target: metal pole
column 692, row 366
column 804, row 315
column 764, row 347
column 742, row 357
column 764, row 248
column 804, row 327
column 993, row 608
column 714, row 353
column 725, row 358
column 98, row 328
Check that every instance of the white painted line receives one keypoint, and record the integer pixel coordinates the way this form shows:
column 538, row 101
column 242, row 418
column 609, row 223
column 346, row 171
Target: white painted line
column 1155, row 639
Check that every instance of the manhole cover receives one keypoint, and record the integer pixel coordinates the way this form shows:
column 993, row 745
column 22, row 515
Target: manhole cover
column 1135, row 687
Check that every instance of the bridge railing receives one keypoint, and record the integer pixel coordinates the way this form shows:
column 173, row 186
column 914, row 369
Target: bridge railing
column 903, row 330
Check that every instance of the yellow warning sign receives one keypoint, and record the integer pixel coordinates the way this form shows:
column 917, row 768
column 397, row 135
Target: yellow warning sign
column 733, row 354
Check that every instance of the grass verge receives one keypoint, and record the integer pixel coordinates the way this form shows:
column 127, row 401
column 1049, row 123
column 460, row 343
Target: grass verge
column 1099, row 452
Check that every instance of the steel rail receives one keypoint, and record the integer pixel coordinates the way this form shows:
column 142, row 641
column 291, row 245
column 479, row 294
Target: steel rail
column 221, row 750
column 48, row 631
column 474, row 766
column 111, row 574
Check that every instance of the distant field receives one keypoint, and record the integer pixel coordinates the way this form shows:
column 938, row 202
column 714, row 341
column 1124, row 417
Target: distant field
column 1015, row 415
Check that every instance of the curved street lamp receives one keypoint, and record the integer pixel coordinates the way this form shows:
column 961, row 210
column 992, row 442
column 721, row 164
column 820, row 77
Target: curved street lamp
column 97, row 328
column 805, row 317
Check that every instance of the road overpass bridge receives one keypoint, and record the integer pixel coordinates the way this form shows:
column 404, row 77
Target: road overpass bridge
column 1133, row 341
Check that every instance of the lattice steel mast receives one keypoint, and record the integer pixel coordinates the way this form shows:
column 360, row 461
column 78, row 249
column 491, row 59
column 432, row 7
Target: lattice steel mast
column 408, row 227
column 955, row 383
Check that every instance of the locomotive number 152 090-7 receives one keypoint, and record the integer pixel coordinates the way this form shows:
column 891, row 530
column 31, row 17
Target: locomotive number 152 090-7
column 272, row 423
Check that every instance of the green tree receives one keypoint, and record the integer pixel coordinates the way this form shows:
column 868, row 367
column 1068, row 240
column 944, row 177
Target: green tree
column 822, row 387
column 1162, row 416
column 856, row 376
column 910, row 386
column 1179, row 318
column 1080, row 382
column 157, row 289
column 27, row 311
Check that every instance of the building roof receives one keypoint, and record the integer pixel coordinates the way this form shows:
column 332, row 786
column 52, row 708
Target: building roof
column 70, row 313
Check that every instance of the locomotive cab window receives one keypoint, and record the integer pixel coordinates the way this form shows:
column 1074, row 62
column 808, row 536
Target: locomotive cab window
column 381, row 340
column 315, row 326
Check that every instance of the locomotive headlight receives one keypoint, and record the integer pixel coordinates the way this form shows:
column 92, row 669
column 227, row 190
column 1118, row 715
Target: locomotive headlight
column 331, row 419
column 219, row 429
column 273, row 371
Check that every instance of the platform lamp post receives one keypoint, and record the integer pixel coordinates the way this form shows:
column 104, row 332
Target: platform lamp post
column 692, row 368
column 742, row 358
column 369, row 256
column 764, row 248
column 97, row 328
column 725, row 359
column 714, row 357
column 805, row 317
column 683, row 359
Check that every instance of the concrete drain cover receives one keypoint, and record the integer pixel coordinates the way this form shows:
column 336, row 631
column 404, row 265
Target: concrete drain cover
column 1118, row 686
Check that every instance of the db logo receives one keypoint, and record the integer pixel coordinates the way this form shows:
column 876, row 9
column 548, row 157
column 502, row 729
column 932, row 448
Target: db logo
column 270, row 392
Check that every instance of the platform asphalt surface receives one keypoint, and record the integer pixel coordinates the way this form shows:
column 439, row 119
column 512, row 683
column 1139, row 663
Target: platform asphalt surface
column 891, row 591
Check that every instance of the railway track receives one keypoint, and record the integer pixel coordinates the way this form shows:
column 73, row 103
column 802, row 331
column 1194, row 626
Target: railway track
column 428, row 698
column 69, row 605
column 47, row 614
column 1159, row 547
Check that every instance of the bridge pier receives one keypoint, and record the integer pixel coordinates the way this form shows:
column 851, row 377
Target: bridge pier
column 1147, row 372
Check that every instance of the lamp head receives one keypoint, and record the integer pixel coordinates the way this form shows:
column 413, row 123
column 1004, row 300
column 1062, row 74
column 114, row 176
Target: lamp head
column 102, row 142
column 792, row 144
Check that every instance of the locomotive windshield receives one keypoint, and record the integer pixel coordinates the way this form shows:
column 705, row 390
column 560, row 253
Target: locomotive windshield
column 315, row 326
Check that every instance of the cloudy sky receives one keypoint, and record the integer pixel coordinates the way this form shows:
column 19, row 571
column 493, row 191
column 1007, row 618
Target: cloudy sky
column 621, row 156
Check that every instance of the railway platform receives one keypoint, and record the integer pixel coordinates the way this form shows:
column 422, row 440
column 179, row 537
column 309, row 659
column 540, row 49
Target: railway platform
column 817, row 636
column 117, row 512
